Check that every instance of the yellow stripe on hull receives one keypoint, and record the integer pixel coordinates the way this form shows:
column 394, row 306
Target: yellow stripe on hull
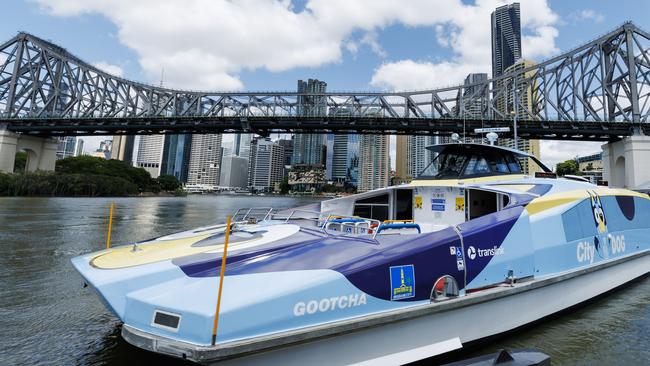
column 459, row 182
column 547, row 202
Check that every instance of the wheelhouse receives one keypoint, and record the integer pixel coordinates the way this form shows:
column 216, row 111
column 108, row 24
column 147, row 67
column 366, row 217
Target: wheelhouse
column 462, row 161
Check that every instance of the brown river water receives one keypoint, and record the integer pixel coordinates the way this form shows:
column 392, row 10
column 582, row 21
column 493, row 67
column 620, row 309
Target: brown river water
column 47, row 317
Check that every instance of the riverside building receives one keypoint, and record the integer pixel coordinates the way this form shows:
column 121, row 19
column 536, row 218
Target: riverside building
column 265, row 167
column 205, row 161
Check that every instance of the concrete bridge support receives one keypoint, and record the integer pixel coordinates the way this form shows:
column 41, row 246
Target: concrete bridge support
column 626, row 163
column 41, row 151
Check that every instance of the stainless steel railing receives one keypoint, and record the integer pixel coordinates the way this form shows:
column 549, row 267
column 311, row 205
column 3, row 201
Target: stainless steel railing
column 327, row 223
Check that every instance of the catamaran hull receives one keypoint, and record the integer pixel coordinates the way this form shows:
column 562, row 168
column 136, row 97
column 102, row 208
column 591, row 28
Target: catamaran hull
column 410, row 334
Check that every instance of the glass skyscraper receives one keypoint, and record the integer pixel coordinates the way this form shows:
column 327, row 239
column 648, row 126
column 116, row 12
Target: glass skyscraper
column 343, row 159
column 242, row 145
column 506, row 37
column 66, row 147
column 165, row 154
column 307, row 147
column 176, row 156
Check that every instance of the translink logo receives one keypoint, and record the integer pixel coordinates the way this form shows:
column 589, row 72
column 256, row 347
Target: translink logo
column 473, row 252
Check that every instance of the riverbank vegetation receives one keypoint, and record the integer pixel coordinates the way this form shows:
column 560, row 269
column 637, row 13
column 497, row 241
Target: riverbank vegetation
column 89, row 177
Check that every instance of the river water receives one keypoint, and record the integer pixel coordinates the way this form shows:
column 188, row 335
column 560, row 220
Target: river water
column 47, row 317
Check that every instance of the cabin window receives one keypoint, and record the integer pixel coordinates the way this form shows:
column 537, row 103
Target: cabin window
column 375, row 207
column 403, row 204
column 481, row 203
column 477, row 165
column 513, row 164
column 445, row 166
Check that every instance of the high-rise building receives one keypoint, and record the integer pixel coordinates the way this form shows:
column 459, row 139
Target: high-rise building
column 339, row 155
column 66, row 147
column 176, row 156
column 412, row 156
column 329, row 157
column 506, row 58
column 122, row 148
column 343, row 159
column 104, row 150
column 472, row 100
column 242, row 144
column 420, row 156
column 234, row 172
column 205, row 161
column 150, row 151
column 374, row 162
column 266, row 164
column 402, row 159
column 79, row 149
column 287, row 144
column 308, row 148
column 506, row 37
column 342, row 154
column 165, row 155
column 522, row 105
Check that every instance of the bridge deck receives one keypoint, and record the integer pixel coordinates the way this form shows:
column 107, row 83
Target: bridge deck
column 546, row 130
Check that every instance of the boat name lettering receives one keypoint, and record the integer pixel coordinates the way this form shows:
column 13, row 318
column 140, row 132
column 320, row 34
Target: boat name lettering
column 328, row 304
column 585, row 252
column 617, row 242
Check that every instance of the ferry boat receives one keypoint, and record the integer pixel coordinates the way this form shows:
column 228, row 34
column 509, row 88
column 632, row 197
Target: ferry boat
column 470, row 249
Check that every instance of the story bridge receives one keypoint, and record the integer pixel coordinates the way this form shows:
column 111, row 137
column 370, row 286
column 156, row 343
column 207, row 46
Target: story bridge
column 598, row 91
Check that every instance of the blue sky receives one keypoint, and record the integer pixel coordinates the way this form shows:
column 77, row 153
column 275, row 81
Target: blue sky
column 268, row 45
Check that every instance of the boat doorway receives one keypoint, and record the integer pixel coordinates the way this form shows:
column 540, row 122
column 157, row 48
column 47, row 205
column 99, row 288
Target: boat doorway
column 403, row 207
column 482, row 202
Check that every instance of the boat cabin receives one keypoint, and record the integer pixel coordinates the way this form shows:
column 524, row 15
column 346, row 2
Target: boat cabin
column 460, row 184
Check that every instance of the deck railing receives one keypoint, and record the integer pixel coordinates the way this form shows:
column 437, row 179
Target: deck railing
column 327, row 223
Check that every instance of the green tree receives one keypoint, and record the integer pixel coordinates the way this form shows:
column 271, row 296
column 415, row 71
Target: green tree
column 284, row 186
column 568, row 167
column 21, row 162
column 113, row 168
column 168, row 182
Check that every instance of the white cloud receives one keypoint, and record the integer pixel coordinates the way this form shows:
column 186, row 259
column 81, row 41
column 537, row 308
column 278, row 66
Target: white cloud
column 368, row 39
column 466, row 30
column 205, row 44
column 553, row 152
column 412, row 75
column 112, row 69
column 542, row 44
column 588, row 14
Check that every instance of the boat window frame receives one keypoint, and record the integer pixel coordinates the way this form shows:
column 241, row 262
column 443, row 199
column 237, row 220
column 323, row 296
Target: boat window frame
column 509, row 160
column 388, row 204
column 165, row 327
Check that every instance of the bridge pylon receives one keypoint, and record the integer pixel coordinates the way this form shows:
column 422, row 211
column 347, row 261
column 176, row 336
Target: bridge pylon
column 41, row 151
column 625, row 162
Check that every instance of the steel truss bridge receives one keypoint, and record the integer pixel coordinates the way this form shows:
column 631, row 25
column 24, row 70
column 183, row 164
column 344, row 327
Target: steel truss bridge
column 598, row 91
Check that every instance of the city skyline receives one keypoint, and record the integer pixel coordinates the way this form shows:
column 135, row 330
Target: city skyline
column 369, row 54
